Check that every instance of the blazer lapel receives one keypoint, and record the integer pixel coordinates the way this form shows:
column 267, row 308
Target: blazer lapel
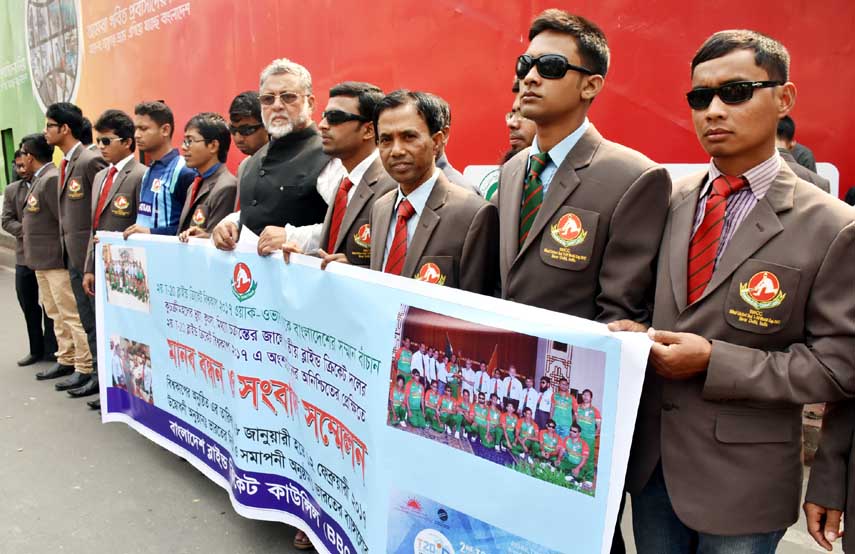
column 383, row 216
column 758, row 228
column 680, row 234
column 510, row 197
column 363, row 193
column 428, row 221
column 564, row 182
column 69, row 169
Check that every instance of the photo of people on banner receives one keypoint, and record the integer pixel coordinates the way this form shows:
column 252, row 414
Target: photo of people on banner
column 125, row 273
column 130, row 366
column 472, row 387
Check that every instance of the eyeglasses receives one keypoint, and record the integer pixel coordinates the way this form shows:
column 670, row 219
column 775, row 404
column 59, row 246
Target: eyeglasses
column 49, row 125
column 105, row 141
column 244, row 130
column 550, row 66
column 337, row 117
column 731, row 93
column 284, row 97
column 188, row 142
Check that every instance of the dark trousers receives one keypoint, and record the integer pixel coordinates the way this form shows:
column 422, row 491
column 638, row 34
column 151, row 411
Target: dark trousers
column 86, row 309
column 541, row 417
column 39, row 325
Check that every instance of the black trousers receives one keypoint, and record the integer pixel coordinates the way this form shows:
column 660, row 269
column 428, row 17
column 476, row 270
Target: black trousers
column 86, row 309
column 39, row 325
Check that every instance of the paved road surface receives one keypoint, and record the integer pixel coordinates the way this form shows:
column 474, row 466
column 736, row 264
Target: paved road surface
column 72, row 485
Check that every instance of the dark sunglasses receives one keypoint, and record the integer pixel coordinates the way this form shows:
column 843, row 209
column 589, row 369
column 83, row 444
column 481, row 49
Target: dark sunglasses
column 550, row 66
column 337, row 117
column 244, row 130
column 105, row 141
column 731, row 93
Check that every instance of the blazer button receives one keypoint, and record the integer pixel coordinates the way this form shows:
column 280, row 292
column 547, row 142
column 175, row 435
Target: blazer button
column 262, row 172
column 668, row 406
column 255, row 202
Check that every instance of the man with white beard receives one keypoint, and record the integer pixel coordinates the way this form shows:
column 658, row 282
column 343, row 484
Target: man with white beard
column 285, row 186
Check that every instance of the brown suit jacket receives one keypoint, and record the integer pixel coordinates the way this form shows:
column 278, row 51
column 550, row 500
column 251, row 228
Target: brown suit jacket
column 729, row 440
column 356, row 225
column 615, row 201
column 14, row 199
column 803, row 172
column 42, row 247
column 120, row 209
column 455, row 243
column 214, row 201
column 75, row 204
column 832, row 475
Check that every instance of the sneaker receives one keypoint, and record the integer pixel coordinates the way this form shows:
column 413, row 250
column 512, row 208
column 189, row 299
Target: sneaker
column 447, row 430
column 530, row 461
column 404, row 424
column 472, row 438
column 496, row 448
column 457, row 434
column 570, row 478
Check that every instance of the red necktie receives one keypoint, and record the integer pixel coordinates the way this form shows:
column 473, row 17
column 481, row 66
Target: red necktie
column 339, row 208
column 194, row 189
column 62, row 174
column 105, row 192
column 705, row 242
column 398, row 251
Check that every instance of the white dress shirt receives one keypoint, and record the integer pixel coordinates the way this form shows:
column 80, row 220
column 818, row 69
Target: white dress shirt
column 545, row 402
column 511, row 387
column 557, row 154
column 418, row 199
column 418, row 362
column 529, row 399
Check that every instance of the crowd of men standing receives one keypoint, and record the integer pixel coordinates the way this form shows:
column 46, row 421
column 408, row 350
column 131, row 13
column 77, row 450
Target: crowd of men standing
column 741, row 274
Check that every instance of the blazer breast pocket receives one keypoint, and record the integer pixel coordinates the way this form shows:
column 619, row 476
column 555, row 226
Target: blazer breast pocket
column 761, row 297
column 567, row 241
column 357, row 243
column 438, row 270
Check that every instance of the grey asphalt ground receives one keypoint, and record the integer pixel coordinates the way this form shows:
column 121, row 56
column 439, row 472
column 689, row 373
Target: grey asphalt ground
column 73, row 485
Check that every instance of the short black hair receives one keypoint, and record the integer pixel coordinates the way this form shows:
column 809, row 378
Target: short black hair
column 400, row 378
column 366, row 94
column 769, row 54
column 589, row 391
column 576, row 426
column 118, row 122
column 246, row 104
column 444, row 109
column 427, row 107
column 18, row 153
column 786, row 128
column 590, row 39
column 37, row 146
column 66, row 113
column 86, row 132
column 526, row 411
column 159, row 112
column 212, row 127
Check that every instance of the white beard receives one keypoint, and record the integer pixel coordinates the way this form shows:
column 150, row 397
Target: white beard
column 279, row 130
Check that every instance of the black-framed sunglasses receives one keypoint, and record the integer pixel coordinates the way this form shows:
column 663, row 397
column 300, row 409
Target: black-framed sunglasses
column 550, row 66
column 105, row 141
column 244, row 130
column 337, row 117
column 732, row 93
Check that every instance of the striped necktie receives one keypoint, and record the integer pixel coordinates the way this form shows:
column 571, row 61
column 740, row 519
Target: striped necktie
column 704, row 246
column 339, row 209
column 398, row 251
column 532, row 193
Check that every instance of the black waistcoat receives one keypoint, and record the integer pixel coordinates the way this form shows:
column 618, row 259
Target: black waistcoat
column 279, row 184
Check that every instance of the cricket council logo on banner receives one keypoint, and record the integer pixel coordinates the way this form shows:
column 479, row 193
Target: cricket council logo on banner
column 243, row 285
column 762, row 291
column 569, row 231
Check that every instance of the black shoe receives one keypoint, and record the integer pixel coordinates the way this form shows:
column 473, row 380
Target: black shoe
column 76, row 380
column 95, row 404
column 91, row 387
column 55, row 371
column 49, row 358
column 29, row 359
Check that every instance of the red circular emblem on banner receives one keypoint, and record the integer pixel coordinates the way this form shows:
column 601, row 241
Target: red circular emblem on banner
column 763, row 286
column 569, row 226
column 242, row 278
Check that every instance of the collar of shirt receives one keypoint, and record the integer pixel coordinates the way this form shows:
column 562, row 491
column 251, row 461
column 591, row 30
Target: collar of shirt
column 41, row 169
column 210, row 171
column 167, row 158
column 418, row 198
column 71, row 152
column 760, row 177
column 558, row 152
column 358, row 172
column 121, row 165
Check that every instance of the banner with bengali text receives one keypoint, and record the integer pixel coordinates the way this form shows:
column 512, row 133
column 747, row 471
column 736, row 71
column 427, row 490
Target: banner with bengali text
column 293, row 389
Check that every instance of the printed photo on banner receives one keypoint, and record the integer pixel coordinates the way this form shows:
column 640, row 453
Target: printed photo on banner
column 130, row 366
column 126, row 275
column 525, row 402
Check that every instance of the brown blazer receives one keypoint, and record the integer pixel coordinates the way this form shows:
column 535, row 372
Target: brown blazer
column 730, row 440
column 832, row 475
column 805, row 173
column 354, row 237
column 42, row 248
column 75, row 204
column 120, row 209
column 214, row 201
column 615, row 201
column 14, row 199
column 455, row 243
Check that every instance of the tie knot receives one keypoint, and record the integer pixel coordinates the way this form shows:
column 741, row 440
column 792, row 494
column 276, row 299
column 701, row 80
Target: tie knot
column 346, row 184
column 405, row 209
column 539, row 161
column 725, row 186
column 112, row 171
